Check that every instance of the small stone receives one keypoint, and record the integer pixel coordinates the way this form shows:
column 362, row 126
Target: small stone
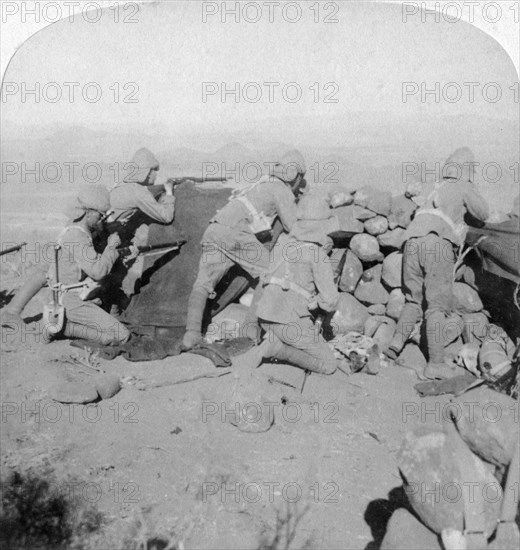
column 376, row 226
column 392, row 269
column 377, row 309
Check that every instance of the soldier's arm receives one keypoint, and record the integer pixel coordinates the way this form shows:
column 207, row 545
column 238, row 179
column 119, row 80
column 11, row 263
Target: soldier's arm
column 286, row 207
column 161, row 211
column 328, row 295
column 475, row 203
column 94, row 265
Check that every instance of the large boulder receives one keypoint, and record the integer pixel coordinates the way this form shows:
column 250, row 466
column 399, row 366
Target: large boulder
column 393, row 238
column 437, row 467
column 466, row 299
column 366, row 248
column 376, row 226
column 352, row 271
column 405, row 532
column 395, row 303
column 392, row 269
column 371, row 292
column 488, row 422
column 350, row 315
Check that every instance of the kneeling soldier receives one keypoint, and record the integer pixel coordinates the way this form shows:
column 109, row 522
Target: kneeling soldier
column 77, row 261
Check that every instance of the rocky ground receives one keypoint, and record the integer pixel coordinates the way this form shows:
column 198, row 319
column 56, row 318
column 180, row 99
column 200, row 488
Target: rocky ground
column 167, row 462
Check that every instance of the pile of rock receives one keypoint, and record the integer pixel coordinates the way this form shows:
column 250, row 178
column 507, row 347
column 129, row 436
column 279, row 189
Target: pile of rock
column 370, row 283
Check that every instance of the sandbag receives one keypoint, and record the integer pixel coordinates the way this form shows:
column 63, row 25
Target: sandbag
column 395, row 303
column 392, row 270
column 488, row 422
column 376, row 226
column 437, row 467
column 74, row 392
column 371, row 292
column 466, row 299
column 392, row 239
column 347, row 220
column 366, row 248
column 107, row 385
column 352, row 271
column 405, row 532
column 401, row 211
column 350, row 315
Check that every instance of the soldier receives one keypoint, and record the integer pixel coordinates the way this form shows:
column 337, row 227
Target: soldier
column 433, row 236
column 300, row 279
column 132, row 204
column 79, row 260
column 134, row 207
column 233, row 234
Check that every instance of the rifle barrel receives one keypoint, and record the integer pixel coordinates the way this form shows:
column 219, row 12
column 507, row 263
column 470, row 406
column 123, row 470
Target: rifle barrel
column 12, row 249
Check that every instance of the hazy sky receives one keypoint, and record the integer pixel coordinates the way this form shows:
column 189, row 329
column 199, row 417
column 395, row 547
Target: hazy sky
column 170, row 52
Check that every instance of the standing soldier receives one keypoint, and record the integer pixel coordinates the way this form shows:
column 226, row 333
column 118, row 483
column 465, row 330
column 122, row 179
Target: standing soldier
column 434, row 235
column 300, row 279
column 234, row 235
column 134, row 207
column 79, row 260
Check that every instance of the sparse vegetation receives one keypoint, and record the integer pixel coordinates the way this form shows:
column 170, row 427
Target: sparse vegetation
column 33, row 515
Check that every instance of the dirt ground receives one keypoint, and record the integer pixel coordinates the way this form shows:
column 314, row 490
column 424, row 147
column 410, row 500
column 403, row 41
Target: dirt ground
column 167, row 456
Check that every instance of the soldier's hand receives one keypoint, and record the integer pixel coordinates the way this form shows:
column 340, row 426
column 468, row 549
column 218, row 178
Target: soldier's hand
column 168, row 186
column 114, row 240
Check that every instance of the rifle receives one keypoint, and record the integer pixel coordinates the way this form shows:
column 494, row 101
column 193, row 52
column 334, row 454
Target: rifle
column 183, row 179
column 151, row 248
column 12, row 249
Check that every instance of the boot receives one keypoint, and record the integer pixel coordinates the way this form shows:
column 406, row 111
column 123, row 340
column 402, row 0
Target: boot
column 435, row 336
column 196, row 306
column 409, row 317
column 12, row 314
column 304, row 360
column 437, row 368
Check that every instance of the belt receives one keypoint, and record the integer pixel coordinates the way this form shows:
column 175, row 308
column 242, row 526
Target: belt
column 290, row 285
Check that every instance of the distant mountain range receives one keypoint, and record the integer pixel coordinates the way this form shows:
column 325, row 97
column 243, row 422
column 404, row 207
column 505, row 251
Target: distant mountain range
column 366, row 148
